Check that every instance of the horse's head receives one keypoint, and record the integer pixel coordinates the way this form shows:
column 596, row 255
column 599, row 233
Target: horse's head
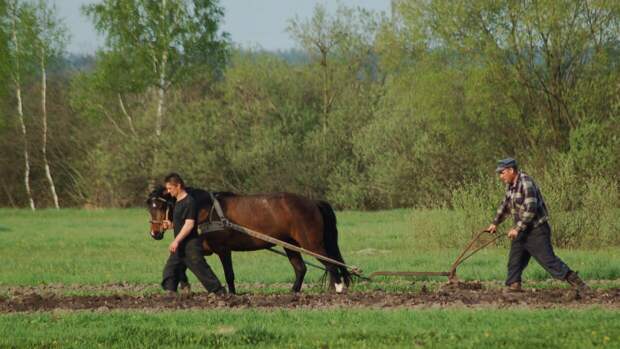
column 160, row 205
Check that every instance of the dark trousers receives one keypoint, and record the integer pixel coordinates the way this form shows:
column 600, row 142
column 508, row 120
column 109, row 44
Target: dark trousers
column 189, row 255
column 534, row 243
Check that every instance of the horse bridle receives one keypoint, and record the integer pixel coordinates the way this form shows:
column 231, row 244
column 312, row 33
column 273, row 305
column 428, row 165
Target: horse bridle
column 152, row 221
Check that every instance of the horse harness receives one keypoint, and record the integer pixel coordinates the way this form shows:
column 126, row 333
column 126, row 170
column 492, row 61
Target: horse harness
column 223, row 223
column 214, row 225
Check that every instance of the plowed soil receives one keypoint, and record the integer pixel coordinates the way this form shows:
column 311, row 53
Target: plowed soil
column 464, row 295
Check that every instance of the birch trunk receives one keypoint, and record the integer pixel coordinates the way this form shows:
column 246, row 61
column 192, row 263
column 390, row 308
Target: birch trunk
column 129, row 118
column 161, row 95
column 48, row 173
column 162, row 80
column 20, row 110
column 7, row 192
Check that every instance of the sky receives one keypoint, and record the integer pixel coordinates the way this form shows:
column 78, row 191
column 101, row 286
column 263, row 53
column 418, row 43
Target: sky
column 250, row 23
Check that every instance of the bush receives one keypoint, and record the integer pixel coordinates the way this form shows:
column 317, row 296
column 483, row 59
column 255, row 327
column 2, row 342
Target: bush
column 583, row 211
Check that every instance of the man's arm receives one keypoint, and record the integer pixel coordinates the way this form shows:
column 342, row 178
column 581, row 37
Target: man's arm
column 502, row 211
column 186, row 230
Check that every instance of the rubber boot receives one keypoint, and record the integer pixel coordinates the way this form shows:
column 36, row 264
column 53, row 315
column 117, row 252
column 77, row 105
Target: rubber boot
column 575, row 281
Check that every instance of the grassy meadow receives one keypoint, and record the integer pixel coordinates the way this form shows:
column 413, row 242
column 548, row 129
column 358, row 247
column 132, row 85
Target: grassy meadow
column 113, row 246
column 455, row 328
column 76, row 248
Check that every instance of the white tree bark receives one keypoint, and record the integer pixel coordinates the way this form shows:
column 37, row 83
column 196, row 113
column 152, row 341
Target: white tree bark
column 162, row 80
column 7, row 192
column 20, row 110
column 129, row 118
column 48, row 173
column 161, row 94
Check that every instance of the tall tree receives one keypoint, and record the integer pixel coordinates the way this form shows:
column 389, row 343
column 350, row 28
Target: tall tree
column 161, row 42
column 4, row 57
column 340, row 47
column 18, row 15
column 540, row 55
column 49, row 42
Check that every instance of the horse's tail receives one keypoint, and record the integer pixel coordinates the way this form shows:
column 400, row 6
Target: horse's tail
column 331, row 239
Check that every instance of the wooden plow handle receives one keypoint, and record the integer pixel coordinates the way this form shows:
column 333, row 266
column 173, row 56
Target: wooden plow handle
column 468, row 252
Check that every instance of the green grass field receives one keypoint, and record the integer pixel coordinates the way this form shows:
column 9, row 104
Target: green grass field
column 315, row 329
column 101, row 247
column 112, row 246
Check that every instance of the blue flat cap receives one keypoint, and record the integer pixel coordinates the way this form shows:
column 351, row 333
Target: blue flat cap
column 505, row 163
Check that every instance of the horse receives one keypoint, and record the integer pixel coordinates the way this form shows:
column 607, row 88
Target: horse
column 310, row 224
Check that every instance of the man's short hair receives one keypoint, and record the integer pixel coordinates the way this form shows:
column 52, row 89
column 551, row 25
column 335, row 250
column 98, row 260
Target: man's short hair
column 174, row 178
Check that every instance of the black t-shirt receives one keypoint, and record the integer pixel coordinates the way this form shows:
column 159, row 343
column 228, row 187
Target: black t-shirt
column 185, row 209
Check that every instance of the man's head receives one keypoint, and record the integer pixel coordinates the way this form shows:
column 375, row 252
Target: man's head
column 174, row 184
column 507, row 170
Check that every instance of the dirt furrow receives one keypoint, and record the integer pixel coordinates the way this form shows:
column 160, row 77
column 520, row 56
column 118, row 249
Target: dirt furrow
column 449, row 296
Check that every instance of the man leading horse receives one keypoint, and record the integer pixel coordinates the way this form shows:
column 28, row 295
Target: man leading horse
column 287, row 217
column 186, row 249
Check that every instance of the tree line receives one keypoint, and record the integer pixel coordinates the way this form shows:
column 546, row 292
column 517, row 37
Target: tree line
column 370, row 111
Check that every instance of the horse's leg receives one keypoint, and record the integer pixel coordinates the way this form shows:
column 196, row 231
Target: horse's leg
column 226, row 259
column 335, row 282
column 299, row 266
column 306, row 239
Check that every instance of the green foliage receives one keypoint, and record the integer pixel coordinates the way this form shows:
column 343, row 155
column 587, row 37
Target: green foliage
column 582, row 209
column 149, row 42
column 370, row 113
column 594, row 147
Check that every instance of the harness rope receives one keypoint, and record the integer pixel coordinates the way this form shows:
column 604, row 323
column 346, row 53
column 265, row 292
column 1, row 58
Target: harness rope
column 224, row 223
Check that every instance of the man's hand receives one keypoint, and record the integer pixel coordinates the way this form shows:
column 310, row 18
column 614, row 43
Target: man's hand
column 512, row 234
column 174, row 245
column 166, row 224
column 492, row 229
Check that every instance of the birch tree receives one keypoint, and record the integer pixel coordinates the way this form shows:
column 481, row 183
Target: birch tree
column 160, row 42
column 16, row 57
column 50, row 37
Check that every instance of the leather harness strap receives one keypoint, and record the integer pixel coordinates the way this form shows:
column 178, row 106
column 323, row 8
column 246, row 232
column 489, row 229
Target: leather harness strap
column 212, row 225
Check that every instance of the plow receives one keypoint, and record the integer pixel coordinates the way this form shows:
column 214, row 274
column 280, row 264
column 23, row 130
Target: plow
column 474, row 245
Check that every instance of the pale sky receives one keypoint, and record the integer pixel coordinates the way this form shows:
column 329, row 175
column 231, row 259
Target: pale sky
column 251, row 23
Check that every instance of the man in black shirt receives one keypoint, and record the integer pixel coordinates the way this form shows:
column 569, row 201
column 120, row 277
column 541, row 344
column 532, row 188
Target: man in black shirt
column 186, row 249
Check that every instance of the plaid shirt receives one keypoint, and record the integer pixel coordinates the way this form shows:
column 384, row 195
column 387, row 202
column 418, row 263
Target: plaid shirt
column 525, row 202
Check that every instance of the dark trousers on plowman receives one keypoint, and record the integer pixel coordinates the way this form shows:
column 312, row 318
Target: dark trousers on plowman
column 189, row 255
column 534, row 243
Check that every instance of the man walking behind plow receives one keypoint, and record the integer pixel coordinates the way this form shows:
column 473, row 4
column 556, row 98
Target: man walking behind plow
column 531, row 233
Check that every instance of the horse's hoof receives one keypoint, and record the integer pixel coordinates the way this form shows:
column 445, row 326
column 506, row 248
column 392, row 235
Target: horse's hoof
column 339, row 287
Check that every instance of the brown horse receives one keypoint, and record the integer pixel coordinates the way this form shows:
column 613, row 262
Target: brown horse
column 288, row 217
